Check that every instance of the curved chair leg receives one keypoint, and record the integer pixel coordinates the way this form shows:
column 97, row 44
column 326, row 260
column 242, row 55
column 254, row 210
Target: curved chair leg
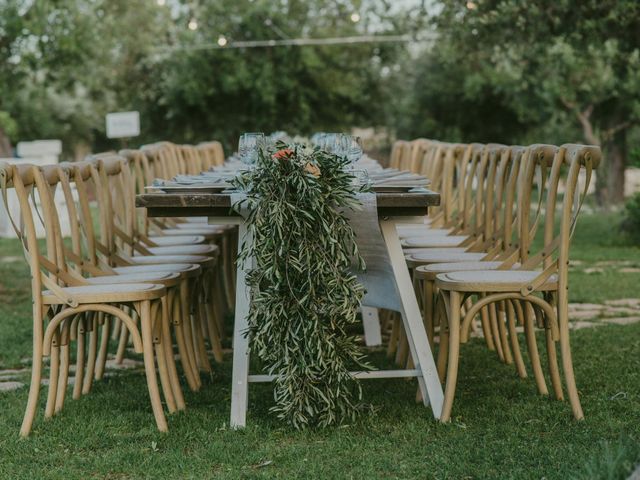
column 169, row 357
column 54, row 367
column 554, row 370
column 186, row 327
column 216, row 300
column 493, row 319
column 532, row 346
column 101, row 361
column 185, row 359
column 115, row 331
column 198, row 323
column 403, row 347
column 63, row 370
column 486, row 329
column 122, row 344
column 513, row 337
column 36, row 373
column 454, row 355
column 214, row 333
column 443, row 351
column 80, row 356
column 157, row 313
column 91, row 355
column 502, row 329
column 149, row 365
column 63, row 377
column 393, row 338
column 427, row 309
column 567, row 362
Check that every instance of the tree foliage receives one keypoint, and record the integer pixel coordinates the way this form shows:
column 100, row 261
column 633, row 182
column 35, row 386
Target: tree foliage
column 557, row 70
column 67, row 63
column 304, row 296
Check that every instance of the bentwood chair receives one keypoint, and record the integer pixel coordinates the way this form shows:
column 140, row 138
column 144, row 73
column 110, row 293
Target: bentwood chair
column 537, row 288
column 111, row 174
column 160, row 165
column 88, row 272
column 70, row 303
column 102, row 253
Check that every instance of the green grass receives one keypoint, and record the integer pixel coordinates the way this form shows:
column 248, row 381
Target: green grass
column 501, row 427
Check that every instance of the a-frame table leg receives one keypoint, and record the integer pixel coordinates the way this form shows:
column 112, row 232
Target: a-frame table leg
column 240, row 380
column 412, row 318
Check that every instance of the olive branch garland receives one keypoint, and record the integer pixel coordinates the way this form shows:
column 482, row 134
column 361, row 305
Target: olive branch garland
column 304, row 296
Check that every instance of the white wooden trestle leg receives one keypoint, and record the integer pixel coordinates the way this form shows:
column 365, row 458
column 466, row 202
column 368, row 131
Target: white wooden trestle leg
column 424, row 364
column 371, row 325
column 412, row 319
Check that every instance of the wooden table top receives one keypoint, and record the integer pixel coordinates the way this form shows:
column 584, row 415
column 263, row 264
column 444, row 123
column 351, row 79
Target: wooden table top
column 219, row 204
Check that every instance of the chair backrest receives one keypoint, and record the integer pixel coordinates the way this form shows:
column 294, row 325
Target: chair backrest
column 397, row 151
column 567, row 161
column 47, row 263
column 212, row 154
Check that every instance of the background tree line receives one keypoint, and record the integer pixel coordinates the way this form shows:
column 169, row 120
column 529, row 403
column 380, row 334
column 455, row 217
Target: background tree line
column 485, row 70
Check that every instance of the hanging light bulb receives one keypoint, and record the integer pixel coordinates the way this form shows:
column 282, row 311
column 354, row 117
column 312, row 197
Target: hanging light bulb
column 193, row 24
column 222, row 40
column 355, row 17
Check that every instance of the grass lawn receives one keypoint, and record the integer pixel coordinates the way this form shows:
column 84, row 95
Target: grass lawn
column 501, row 428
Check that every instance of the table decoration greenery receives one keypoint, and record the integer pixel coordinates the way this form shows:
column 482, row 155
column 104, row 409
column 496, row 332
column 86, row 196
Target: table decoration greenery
column 304, row 294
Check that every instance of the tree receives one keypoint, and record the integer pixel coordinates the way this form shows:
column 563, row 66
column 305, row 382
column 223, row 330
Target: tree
column 547, row 65
column 205, row 92
column 65, row 64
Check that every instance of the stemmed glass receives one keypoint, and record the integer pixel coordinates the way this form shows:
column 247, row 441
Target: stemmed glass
column 249, row 146
column 352, row 148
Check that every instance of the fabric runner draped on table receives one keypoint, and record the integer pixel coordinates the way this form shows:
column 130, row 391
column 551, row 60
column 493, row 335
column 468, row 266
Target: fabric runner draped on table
column 377, row 279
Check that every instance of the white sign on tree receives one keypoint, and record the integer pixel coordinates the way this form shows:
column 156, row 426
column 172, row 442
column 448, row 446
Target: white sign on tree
column 123, row 124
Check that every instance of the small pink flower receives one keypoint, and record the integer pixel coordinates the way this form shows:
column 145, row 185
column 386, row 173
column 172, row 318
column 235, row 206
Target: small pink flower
column 283, row 154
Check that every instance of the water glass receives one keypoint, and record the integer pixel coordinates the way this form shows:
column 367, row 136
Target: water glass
column 249, row 146
column 353, row 148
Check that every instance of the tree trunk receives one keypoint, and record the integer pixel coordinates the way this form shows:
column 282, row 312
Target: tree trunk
column 615, row 152
column 5, row 145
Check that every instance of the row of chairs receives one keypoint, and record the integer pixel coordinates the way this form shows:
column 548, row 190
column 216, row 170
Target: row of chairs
column 154, row 285
column 497, row 248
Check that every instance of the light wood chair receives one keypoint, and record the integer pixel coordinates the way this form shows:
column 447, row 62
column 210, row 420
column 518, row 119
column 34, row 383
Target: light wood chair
column 71, row 303
column 102, row 254
column 111, row 176
column 538, row 288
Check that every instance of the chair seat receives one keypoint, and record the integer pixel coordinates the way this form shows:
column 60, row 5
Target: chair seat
column 124, row 292
column 193, row 229
column 492, row 280
column 434, row 241
column 182, row 250
column 158, row 259
column 445, row 257
column 441, row 251
column 197, row 221
column 166, row 240
column 141, row 277
column 431, row 270
column 183, row 268
column 409, row 231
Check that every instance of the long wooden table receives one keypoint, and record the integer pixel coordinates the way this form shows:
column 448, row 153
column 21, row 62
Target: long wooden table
column 393, row 208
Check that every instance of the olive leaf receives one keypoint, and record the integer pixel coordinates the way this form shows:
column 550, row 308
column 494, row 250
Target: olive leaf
column 304, row 294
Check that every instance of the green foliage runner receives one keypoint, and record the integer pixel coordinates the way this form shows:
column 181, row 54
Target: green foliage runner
column 304, row 293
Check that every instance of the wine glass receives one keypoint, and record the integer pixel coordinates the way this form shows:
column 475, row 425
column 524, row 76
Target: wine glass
column 353, row 150
column 249, row 145
column 329, row 142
